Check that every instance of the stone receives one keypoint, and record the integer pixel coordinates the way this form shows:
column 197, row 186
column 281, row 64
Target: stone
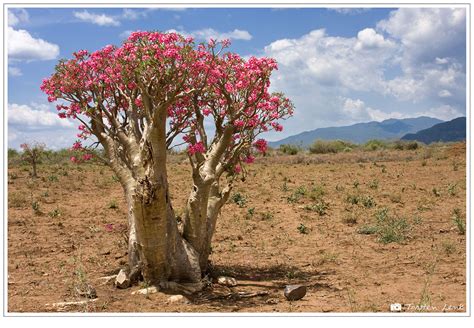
column 178, row 299
column 294, row 292
column 227, row 281
column 146, row 291
column 122, row 281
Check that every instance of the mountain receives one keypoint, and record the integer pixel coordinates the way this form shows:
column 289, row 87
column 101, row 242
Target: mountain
column 362, row 132
column 454, row 130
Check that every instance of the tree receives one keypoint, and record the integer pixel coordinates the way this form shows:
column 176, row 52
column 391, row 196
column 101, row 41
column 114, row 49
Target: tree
column 137, row 99
column 32, row 154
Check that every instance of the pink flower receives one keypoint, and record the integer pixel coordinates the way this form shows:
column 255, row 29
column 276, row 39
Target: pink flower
column 196, row 148
column 237, row 169
column 77, row 145
column 138, row 102
column 73, row 159
column 249, row 159
column 261, row 145
column 278, row 127
column 86, row 157
column 239, row 123
column 229, row 87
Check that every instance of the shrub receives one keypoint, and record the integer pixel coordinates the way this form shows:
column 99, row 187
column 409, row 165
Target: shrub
column 289, row 149
column 405, row 145
column 458, row 221
column 317, row 192
column 375, row 144
column 303, row 229
column 239, row 199
column 388, row 228
column 391, row 228
column 319, row 207
column 330, row 146
column 368, row 201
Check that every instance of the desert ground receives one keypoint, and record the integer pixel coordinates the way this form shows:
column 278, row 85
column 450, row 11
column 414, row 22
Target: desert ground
column 361, row 230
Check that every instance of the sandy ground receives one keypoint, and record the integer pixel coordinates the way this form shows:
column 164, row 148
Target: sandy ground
column 305, row 219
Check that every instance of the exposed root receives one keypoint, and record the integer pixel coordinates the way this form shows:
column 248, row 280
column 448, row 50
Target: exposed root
column 107, row 279
column 183, row 288
column 65, row 304
column 171, row 286
column 238, row 295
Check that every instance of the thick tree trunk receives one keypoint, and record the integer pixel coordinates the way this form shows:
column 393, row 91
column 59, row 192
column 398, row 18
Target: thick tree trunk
column 196, row 218
column 203, row 208
column 156, row 249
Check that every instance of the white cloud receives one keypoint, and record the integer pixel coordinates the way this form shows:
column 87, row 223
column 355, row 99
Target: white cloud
column 443, row 112
column 14, row 71
column 17, row 16
column 369, row 39
column 35, row 116
column 132, row 14
column 377, row 74
column 441, row 61
column 349, row 11
column 22, row 46
column 444, row 94
column 125, row 34
column 319, row 59
column 12, row 19
column 355, row 110
column 426, row 33
column 209, row 33
column 101, row 20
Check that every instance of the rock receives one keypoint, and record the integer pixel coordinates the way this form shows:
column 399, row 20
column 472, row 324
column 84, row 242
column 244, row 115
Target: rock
column 146, row 291
column 227, row 281
column 295, row 292
column 272, row 301
column 122, row 281
column 178, row 299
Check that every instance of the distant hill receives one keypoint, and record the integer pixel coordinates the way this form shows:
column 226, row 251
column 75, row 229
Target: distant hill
column 362, row 132
column 454, row 130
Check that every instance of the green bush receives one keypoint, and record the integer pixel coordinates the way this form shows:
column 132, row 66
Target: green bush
column 405, row 145
column 331, row 146
column 290, row 149
column 375, row 144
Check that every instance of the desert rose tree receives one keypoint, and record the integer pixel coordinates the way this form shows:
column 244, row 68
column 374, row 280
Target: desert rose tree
column 135, row 100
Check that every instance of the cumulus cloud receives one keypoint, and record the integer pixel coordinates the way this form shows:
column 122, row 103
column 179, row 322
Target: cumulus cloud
column 14, row 71
column 125, row 34
column 35, row 116
column 427, row 33
column 326, row 60
column 17, row 16
column 381, row 72
column 358, row 111
column 209, row 33
column 369, row 39
column 97, row 19
column 349, row 11
column 443, row 112
column 22, row 46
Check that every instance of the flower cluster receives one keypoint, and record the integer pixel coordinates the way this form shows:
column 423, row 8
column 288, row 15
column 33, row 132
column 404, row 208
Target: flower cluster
column 194, row 84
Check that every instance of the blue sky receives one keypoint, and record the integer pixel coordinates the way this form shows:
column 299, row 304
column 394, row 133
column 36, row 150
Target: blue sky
column 338, row 66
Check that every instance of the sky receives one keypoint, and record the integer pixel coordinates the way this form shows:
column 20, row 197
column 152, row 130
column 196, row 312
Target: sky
column 338, row 66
